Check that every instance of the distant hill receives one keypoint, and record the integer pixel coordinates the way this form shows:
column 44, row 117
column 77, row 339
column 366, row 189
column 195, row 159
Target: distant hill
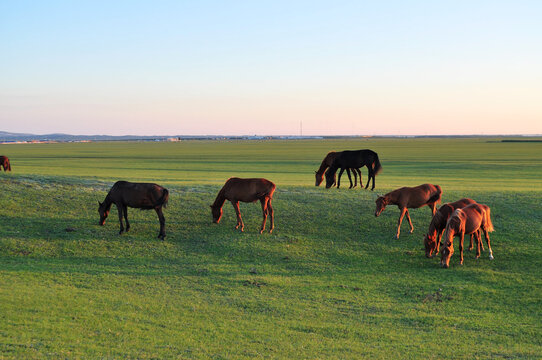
column 8, row 136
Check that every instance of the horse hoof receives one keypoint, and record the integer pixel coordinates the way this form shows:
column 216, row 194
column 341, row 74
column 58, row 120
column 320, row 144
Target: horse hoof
column 491, row 257
column 261, row 231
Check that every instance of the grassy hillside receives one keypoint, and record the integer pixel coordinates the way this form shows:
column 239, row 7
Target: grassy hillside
column 330, row 282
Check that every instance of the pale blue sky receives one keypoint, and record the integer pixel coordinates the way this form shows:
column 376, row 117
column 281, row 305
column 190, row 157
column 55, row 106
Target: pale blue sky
column 253, row 67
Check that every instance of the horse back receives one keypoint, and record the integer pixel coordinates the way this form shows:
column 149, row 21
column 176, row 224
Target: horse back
column 356, row 158
column 248, row 190
column 139, row 195
column 475, row 217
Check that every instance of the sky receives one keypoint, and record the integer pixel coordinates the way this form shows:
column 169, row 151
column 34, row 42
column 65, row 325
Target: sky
column 271, row 67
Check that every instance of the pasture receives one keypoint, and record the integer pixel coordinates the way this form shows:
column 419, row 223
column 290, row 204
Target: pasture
column 331, row 282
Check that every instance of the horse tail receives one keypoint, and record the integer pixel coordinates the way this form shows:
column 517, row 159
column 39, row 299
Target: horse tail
column 487, row 220
column 377, row 167
column 164, row 199
column 436, row 197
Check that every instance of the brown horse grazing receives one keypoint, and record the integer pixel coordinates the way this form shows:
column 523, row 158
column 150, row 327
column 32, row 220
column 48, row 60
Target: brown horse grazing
column 328, row 160
column 468, row 220
column 136, row 195
column 245, row 190
column 4, row 162
column 410, row 197
column 438, row 224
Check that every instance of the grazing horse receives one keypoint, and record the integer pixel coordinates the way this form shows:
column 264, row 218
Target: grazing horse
column 328, row 160
column 4, row 162
column 245, row 190
column 438, row 224
column 468, row 220
column 354, row 159
column 136, row 195
column 410, row 197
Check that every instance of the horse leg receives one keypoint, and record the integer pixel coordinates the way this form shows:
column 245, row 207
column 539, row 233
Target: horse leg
column 349, row 177
column 125, row 210
column 409, row 221
column 359, row 174
column 478, row 242
column 238, row 213
column 162, row 220
column 486, row 235
column 439, row 238
column 270, row 212
column 461, row 239
column 371, row 175
column 403, row 211
column 119, row 208
column 263, row 201
column 339, row 178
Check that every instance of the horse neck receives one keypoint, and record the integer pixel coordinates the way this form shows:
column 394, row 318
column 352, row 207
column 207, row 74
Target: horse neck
column 392, row 198
column 433, row 226
column 108, row 201
column 220, row 199
column 323, row 166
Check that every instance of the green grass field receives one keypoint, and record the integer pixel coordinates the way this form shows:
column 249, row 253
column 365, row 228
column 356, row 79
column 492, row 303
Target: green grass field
column 331, row 282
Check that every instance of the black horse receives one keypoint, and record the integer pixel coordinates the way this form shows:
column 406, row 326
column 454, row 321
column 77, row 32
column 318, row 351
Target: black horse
column 136, row 195
column 354, row 159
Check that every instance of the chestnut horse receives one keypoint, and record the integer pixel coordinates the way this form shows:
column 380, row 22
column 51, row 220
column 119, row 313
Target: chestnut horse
column 410, row 197
column 468, row 220
column 4, row 162
column 245, row 190
column 136, row 195
column 354, row 159
column 328, row 160
column 438, row 224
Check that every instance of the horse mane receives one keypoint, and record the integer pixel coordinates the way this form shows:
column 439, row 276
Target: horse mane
column 443, row 214
column 455, row 218
column 220, row 197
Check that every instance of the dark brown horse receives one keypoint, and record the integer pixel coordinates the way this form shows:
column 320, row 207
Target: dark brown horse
column 144, row 196
column 328, row 160
column 245, row 190
column 4, row 162
column 354, row 159
column 468, row 220
column 438, row 224
column 410, row 197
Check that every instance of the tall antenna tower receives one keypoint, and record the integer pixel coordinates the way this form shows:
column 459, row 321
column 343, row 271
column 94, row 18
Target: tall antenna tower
column 301, row 128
